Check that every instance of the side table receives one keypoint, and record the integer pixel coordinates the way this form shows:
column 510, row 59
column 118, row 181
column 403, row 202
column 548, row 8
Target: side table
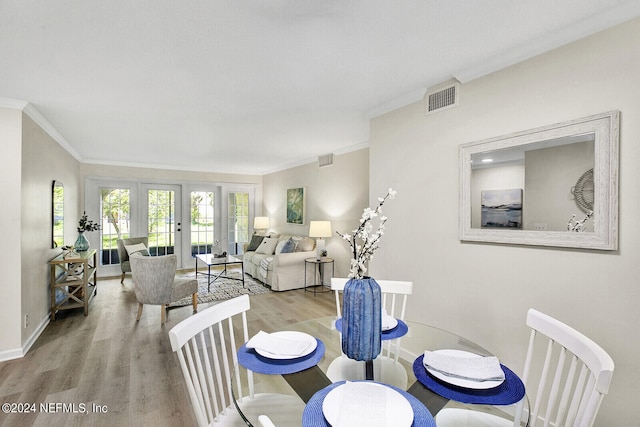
column 74, row 281
column 319, row 266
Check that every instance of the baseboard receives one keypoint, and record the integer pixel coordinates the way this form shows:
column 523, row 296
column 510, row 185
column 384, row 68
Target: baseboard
column 20, row 352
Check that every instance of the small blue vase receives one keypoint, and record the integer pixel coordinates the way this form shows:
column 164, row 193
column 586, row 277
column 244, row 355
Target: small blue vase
column 81, row 244
column 362, row 319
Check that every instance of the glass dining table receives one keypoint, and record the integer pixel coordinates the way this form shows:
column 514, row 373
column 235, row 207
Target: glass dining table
column 297, row 388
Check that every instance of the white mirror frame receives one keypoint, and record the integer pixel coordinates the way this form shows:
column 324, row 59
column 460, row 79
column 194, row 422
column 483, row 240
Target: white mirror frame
column 605, row 236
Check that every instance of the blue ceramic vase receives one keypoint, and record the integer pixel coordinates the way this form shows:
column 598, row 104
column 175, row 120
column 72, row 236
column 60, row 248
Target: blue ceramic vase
column 82, row 243
column 361, row 319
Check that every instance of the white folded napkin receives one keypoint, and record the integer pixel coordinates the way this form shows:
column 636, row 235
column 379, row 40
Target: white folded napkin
column 473, row 368
column 362, row 406
column 388, row 322
column 278, row 345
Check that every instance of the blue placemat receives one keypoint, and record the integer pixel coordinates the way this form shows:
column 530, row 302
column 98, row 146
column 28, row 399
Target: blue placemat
column 510, row 391
column 263, row 365
column 313, row 416
column 400, row 330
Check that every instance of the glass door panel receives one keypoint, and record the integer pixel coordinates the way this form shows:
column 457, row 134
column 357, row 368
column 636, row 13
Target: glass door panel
column 115, row 214
column 203, row 228
column 163, row 217
column 238, row 222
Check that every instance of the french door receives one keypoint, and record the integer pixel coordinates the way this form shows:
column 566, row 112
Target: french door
column 185, row 220
column 237, row 221
column 161, row 216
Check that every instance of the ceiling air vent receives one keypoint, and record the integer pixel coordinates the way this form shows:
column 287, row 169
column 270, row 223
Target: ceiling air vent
column 441, row 98
column 326, row 160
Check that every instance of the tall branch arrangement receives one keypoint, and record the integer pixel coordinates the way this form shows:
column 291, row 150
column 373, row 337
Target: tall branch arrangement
column 364, row 241
column 86, row 224
column 578, row 225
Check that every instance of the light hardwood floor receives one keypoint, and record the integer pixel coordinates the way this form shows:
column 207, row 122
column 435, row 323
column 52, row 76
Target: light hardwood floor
column 108, row 360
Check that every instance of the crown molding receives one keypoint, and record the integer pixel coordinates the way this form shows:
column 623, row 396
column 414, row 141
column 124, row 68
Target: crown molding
column 345, row 150
column 14, row 104
column 41, row 121
column 395, row 103
column 595, row 24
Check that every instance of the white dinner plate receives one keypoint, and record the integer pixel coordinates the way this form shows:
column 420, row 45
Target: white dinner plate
column 389, row 323
column 461, row 382
column 292, row 335
column 399, row 410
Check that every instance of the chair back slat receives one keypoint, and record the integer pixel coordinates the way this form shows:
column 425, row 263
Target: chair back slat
column 555, row 387
column 564, row 400
column 566, row 397
column 193, row 387
column 207, row 352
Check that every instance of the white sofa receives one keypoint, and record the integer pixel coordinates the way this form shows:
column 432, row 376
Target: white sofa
column 280, row 270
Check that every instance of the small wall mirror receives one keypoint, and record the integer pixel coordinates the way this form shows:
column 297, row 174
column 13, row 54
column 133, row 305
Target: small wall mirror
column 535, row 187
column 58, row 214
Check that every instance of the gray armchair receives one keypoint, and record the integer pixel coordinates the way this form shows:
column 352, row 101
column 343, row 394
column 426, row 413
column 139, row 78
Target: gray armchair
column 123, row 256
column 154, row 282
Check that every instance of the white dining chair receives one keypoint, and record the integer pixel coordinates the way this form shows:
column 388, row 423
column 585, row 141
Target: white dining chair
column 205, row 344
column 265, row 421
column 395, row 294
column 569, row 384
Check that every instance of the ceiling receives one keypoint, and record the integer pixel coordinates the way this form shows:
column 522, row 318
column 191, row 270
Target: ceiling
column 255, row 86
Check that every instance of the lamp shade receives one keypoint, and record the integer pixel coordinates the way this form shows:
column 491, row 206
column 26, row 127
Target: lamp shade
column 261, row 222
column 320, row 229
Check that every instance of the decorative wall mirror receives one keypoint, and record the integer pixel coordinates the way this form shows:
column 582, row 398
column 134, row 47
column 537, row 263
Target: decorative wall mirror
column 526, row 188
column 58, row 214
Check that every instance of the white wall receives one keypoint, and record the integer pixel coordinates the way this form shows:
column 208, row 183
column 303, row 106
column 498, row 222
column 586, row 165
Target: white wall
column 10, row 152
column 32, row 161
column 336, row 193
column 43, row 161
column 482, row 291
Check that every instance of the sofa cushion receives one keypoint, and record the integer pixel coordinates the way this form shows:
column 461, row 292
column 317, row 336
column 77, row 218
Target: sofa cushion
column 279, row 246
column 267, row 246
column 288, row 246
column 255, row 242
column 305, row 244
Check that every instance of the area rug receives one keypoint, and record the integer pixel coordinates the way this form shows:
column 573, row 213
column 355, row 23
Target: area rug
column 223, row 289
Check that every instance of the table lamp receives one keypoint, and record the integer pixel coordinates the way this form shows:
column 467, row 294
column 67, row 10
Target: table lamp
column 319, row 230
column 261, row 223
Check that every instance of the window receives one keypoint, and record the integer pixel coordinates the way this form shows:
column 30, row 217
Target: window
column 203, row 223
column 160, row 221
column 114, row 212
column 238, row 224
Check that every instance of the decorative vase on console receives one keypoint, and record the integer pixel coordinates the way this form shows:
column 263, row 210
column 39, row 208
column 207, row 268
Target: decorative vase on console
column 85, row 224
column 362, row 297
column 82, row 243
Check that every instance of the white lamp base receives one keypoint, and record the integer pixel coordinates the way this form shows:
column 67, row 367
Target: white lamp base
column 320, row 245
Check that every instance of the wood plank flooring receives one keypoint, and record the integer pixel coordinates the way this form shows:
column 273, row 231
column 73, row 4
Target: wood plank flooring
column 122, row 372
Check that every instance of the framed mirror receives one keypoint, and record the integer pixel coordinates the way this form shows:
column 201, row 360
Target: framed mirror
column 58, row 214
column 551, row 186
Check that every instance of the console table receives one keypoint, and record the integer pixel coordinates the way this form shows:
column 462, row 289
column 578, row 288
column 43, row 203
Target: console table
column 73, row 281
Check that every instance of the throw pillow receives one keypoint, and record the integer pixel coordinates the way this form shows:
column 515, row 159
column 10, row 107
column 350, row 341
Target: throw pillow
column 255, row 242
column 305, row 244
column 267, row 246
column 137, row 248
column 288, row 247
column 279, row 246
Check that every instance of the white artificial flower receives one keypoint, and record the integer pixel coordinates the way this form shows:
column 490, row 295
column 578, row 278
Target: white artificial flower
column 362, row 251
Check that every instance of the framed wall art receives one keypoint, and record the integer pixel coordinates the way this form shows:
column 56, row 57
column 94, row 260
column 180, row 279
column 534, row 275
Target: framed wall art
column 502, row 208
column 295, row 205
